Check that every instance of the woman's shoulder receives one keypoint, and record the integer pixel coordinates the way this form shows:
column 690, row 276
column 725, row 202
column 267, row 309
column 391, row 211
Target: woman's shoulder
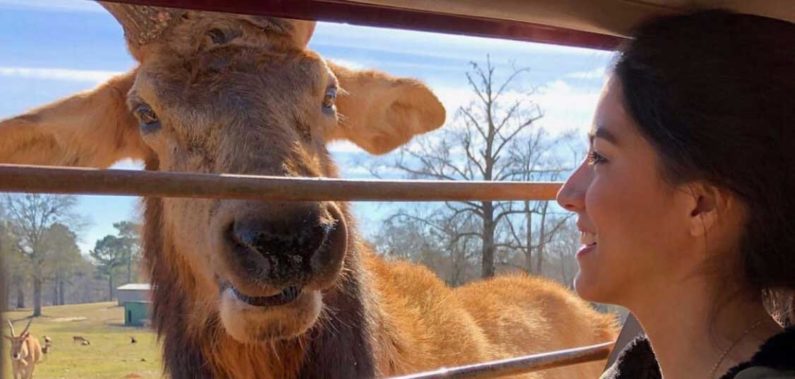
column 636, row 361
column 759, row 372
column 775, row 359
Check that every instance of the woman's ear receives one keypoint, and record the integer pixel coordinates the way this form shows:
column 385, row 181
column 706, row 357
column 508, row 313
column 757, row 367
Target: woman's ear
column 710, row 207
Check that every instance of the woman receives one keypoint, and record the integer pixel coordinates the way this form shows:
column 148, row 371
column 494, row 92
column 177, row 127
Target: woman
column 686, row 202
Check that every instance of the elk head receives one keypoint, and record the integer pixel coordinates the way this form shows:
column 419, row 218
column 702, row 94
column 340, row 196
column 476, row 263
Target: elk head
column 221, row 93
column 19, row 350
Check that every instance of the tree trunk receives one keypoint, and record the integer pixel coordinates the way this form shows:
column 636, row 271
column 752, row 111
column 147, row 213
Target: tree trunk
column 110, row 287
column 487, row 268
column 55, row 291
column 129, row 268
column 36, row 297
column 542, row 238
column 564, row 271
column 455, row 258
column 6, row 294
column 61, row 288
column 20, row 297
column 528, row 252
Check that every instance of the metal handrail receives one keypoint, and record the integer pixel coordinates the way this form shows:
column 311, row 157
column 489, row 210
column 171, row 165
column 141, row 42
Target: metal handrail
column 520, row 365
column 69, row 180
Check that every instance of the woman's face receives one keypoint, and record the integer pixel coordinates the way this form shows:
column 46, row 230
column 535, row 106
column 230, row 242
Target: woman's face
column 634, row 226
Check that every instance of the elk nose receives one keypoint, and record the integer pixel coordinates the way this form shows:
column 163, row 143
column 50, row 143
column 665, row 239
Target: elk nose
column 280, row 249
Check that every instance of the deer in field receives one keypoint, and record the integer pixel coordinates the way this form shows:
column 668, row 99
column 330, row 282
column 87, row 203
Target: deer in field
column 47, row 347
column 256, row 289
column 82, row 340
column 25, row 352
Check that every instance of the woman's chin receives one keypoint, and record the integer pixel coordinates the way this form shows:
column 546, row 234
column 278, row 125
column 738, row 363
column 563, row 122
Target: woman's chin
column 587, row 288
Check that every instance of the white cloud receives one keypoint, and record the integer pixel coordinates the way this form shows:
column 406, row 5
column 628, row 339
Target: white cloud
column 565, row 107
column 64, row 74
column 341, row 146
column 560, row 96
column 597, row 73
column 454, row 98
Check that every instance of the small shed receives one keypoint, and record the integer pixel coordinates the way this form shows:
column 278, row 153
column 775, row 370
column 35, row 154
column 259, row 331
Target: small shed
column 133, row 292
column 136, row 313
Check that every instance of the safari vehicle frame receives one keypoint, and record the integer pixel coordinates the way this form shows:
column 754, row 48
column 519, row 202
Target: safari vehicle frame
column 598, row 24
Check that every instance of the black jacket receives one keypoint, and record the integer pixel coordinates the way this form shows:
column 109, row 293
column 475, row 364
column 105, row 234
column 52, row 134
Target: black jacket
column 774, row 360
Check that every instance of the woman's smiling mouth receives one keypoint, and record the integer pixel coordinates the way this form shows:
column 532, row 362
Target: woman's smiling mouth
column 588, row 241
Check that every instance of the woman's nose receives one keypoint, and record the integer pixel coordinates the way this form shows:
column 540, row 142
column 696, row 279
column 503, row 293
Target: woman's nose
column 572, row 195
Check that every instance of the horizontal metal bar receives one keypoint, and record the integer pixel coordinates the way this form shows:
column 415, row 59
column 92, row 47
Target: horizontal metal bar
column 520, row 365
column 68, row 180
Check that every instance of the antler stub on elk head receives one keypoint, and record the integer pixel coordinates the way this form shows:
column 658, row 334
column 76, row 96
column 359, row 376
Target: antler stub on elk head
column 142, row 23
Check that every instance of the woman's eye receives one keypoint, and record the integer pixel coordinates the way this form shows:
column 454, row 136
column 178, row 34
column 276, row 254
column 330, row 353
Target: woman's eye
column 329, row 99
column 595, row 158
column 148, row 118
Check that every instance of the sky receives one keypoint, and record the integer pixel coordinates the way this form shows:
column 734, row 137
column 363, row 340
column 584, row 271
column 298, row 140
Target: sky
column 54, row 48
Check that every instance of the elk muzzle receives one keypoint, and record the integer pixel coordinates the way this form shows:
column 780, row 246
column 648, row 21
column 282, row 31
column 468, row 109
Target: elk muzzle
column 285, row 247
column 279, row 250
column 279, row 260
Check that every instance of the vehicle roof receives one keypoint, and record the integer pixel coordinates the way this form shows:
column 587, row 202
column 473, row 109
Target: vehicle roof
column 610, row 17
column 586, row 23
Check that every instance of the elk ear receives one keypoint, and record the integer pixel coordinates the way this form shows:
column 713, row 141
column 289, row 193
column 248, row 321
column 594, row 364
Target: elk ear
column 93, row 129
column 7, row 337
column 379, row 112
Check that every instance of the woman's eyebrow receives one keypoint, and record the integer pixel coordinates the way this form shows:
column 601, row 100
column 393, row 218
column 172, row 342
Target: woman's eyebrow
column 603, row 133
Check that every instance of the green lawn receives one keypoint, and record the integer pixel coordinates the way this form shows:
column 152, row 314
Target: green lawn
column 110, row 355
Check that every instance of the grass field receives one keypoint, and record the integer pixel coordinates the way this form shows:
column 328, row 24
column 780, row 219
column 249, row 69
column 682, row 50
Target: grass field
column 110, row 355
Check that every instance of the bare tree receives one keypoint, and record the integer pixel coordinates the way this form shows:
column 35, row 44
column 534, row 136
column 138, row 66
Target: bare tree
column 30, row 216
column 493, row 138
column 537, row 157
column 444, row 244
column 566, row 250
column 405, row 238
column 460, row 246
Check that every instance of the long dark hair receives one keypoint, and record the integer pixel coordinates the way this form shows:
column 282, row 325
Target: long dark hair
column 714, row 93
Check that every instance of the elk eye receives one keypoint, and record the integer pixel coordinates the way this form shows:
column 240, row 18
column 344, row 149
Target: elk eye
column 329, row 99
column 217, row 36
column 148, row 118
